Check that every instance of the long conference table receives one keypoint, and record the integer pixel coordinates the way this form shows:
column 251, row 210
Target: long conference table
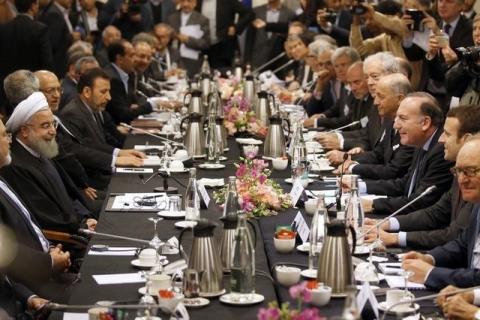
column 137, row 225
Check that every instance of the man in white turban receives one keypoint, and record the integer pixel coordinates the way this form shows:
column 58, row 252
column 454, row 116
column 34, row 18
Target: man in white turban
column 40, row 181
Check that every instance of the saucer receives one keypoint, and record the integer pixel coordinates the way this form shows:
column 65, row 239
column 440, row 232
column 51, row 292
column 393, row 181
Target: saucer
column 196, row 302
column 322, row 168
column 304, row 247
column 142, row 291
column 212, row 294
column 138, row 264
column 223, row 158
column 174, row 170
column 211, row 166
column 309, row 273
column 240, row 300
column 184, row 224
column 289, row 180
column 383, row 306
column 249, row 141
column 168, row 214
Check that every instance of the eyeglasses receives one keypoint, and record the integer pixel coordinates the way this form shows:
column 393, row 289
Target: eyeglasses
column 51, row 91
column 46, row 125
column 469, row 172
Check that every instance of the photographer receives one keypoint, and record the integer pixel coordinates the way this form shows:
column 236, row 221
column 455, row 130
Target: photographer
column 468, row 67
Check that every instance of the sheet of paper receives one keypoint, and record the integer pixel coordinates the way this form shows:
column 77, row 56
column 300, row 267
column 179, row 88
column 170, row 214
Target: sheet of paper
column 326, row 193
column 75, row 316
column 151, row 161
column 399, row 282
column 134, row 200
column 302, row 227
column 118, row 278
column 134, row 170
column 115, row 251
column 142, row 147
column 193, row 31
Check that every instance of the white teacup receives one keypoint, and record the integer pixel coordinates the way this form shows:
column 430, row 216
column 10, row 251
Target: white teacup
column 147, row 256
column 287, row 276
column 167, row 128
column 395, row 296
column 280, row 163
column 181, row 155
column 321, row 295
column 310, row 206
column 284, row 245
column 323, row 162
column 159, row 282
column 176, row 165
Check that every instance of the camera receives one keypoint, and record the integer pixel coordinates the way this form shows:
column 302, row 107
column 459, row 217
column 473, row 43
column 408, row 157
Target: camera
column 417, row 17
column 358, row 9
column 470, row 59
column 331, row 16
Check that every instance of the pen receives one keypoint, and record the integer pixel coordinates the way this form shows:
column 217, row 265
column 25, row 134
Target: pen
column 394, row 267
column 153, row 197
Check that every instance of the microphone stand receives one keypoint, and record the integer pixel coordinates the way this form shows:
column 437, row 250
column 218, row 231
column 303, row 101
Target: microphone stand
column 423, row 194
column 281, row 55
column 429, row 297
column 153, row 135
column 338, row 199
column 345, row 126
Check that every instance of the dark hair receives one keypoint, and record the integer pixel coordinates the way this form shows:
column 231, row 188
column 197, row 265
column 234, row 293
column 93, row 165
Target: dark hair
column 429, row 107
column 389, row 7
column 469, row 118
column 73, row 58
column 116, row 48
column 24, row 5
column 88, row 78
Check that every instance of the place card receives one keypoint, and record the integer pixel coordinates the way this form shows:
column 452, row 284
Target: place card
column 118, row 278
column 204, row 194
column 296, row 191
column 366, row 294
column 301, row 226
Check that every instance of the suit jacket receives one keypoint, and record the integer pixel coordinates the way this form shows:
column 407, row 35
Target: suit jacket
column 60, row 36
column 436, row 225
column 53, row 206
column 167, row 7
column 453, row 259
column 69, row 88
column 388, row 159
column 119, row 105
column 320, row 104
column 434, row 170
column 368, row 136
column 346, row 110
column 174, row 20
column 262, row 48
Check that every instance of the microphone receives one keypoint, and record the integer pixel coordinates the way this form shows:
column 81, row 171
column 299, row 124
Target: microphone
column 148, row 86
column 338, row 199
column 429, row 297
column 140, row 93
column 283, row 66
column 423, row 194
column 345, row 126
column 153, row 135
column 90, row 232
column 269, row 62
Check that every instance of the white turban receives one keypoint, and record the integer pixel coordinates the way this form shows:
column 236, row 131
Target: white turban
column 25, row 110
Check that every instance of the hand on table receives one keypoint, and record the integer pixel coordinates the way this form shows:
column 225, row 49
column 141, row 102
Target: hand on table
column 60, row 260
column 457, row 308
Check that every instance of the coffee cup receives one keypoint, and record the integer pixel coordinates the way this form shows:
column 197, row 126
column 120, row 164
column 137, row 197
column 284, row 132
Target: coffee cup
column 167, row 128
column 321, row 295
column 159, row 282
column 395, row 296
column 287, row 276
column 181, row 155
column 310, row 206
column 147, row 256
column 176, row 165
column 280, row 163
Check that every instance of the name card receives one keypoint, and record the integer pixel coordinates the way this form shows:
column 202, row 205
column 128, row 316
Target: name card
column 366, row 294
column 204, row 194
column 296, row 191
column 302, row 227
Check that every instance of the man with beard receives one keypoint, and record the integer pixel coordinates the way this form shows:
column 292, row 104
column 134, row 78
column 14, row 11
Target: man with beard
column 44, row 186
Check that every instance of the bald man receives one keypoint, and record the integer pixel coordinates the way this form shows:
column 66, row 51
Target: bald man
column 109, row 35
column 50, row 87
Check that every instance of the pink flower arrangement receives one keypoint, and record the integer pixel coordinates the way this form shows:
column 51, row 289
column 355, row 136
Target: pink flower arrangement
column 239, row 117
column 257, row 194
column 301, row 294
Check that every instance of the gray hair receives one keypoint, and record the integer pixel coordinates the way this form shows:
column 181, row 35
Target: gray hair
column 165, row 26
column 398, row 83
column 144, row 37
column 319, row 46
column 19, row 85
column 346, row 51
column 80, row 46
column 386, row 59
column 83, row 60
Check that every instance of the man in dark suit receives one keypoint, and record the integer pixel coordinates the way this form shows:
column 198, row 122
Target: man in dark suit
column 419, row 122
column 222, row 13
column 161, row 9
column 109, row 35
column 456, row 262
column 388, row 159
column 165, row 57
column 187, row 16
column 268, row 32
column 25, row 44
column 124, row 105
column 82, row 118
column 41, row 182
column 55, row 16
column 449, row 216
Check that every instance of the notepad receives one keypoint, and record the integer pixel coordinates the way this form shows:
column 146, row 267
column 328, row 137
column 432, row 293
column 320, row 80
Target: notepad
column 115, row 251
column 118, row 278
column 399, row 282
column 134, row 170
column 75, row 316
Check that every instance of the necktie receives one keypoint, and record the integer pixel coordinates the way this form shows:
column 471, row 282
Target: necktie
column 418, row 164
column 447, row 28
